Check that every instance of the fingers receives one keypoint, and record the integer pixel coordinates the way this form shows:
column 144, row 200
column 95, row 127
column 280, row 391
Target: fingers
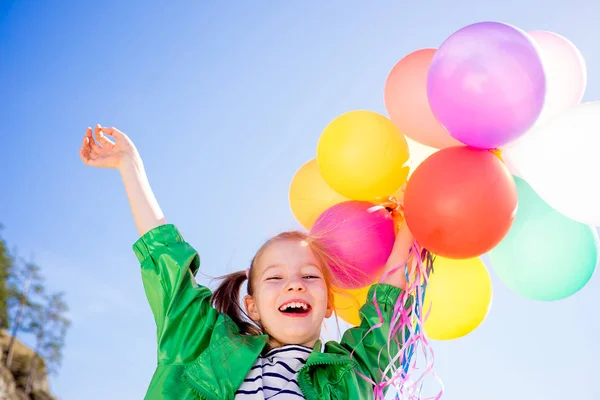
column 112, row 132
column 86, row 155
column 86, row 138
column 98, row 134
column 100, row 131
column 89, row 149
column 103, row 140
column 86, row 144
column 95, row 146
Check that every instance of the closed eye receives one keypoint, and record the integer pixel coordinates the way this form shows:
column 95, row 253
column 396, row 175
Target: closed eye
column 312, row 277
column 273, row 278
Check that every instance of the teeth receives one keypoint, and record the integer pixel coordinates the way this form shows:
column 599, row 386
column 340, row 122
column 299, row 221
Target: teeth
column 284, row 307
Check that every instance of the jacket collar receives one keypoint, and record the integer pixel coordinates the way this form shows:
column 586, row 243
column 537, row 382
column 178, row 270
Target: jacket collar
column 223, row 366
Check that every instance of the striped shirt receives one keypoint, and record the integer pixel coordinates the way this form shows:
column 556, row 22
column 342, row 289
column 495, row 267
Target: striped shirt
column 273, row 375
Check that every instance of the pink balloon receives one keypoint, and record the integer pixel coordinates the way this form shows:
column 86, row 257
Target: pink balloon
column 360, row 236
column 405, row 98
column 566, row 73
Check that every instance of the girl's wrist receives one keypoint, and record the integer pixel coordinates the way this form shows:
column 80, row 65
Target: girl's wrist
column 130, row 161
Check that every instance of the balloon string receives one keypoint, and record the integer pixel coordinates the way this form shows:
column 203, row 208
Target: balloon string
column 406, row 334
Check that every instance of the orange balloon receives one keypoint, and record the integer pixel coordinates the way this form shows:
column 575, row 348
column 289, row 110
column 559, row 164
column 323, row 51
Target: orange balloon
column 348, row 303
column 407, row 104
column 460, row 202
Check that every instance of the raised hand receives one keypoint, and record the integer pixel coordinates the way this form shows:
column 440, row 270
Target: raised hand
column 104, row 153
column 121, row 154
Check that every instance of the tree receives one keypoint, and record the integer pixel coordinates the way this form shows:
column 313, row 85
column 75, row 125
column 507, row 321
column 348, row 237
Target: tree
column 49, row 326
column 24, row 280
column 6, row 264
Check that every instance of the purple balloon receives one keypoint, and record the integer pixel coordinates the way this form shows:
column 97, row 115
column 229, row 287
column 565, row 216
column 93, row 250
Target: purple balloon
column 486, row 84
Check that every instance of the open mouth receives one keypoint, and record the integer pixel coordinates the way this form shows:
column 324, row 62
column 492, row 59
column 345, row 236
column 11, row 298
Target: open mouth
column 295, row 308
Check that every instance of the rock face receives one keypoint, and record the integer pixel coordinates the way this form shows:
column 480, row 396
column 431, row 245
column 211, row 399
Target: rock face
column 14, row 381
column 8, row 389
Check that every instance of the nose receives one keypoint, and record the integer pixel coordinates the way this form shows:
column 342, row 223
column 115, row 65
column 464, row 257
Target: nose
column 295, row 285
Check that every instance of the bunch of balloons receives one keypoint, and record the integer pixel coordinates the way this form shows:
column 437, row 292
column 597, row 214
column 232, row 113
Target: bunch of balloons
column 509, row 171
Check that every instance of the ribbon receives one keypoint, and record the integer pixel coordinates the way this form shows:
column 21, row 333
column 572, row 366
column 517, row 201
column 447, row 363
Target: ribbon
column 406, row 334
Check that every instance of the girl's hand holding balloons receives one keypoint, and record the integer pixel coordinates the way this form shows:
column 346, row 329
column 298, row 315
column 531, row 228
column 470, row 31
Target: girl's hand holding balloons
column 104, row 153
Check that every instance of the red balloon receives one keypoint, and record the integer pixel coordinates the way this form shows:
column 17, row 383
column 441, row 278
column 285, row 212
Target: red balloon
column 460, row 202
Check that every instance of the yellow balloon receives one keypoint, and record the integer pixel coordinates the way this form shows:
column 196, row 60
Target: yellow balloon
column 310, row 195
column 397, row 194
column 459, row 293
column 362, row 155
column 348, row 302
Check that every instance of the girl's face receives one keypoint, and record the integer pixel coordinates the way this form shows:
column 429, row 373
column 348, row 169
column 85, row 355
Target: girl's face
column 290, row 294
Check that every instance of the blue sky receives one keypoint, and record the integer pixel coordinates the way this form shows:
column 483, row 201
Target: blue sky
column 225, row 100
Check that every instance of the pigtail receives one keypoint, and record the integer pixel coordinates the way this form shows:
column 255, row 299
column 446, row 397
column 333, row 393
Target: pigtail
column 226, row 300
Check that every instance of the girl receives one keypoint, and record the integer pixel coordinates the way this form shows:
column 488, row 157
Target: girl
column 207, row 349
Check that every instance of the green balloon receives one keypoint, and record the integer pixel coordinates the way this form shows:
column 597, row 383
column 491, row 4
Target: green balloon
column 545, row 255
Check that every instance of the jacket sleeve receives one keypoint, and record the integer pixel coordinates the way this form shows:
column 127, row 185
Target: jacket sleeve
column 370, row 350
column 181, row 308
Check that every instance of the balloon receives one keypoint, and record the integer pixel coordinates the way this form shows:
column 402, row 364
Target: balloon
column 405, row 96
column 398, row 195
column 559, row 161
column 362, row 155
column 418, row 154
column 486, row 84
column 359, row 236
column 460, row 202
column 566, row 73
column 348, row 303
column 545, row 256
column 510, row 164
column 310, row 195
column 458, row 298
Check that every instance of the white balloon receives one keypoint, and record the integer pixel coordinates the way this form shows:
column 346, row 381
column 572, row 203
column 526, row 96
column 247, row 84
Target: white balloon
column 418, row 153
column 508, row 162
column 566, row 73
column 559, row 159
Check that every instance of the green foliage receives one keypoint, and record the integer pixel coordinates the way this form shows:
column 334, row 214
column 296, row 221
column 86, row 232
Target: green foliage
column 27, row 307
column 25, row 283
column 6, row 263
column 49, row 325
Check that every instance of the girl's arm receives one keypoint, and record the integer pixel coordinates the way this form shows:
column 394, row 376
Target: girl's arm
column 123, row 156
column 398, row 258
column 181, row 307
column 144, row 206
column 368, row 342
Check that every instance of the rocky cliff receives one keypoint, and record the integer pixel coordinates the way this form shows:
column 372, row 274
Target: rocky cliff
column 14, row 381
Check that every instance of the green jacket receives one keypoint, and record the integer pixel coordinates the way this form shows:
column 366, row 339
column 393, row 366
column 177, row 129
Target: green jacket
column 201, row 354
